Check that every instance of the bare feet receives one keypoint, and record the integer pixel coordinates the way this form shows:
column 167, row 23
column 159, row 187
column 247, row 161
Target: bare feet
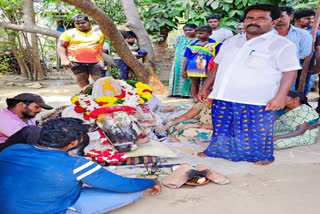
column 263, row 163
column 201, row 154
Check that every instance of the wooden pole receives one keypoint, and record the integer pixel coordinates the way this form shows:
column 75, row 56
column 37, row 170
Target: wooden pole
column 306, row 63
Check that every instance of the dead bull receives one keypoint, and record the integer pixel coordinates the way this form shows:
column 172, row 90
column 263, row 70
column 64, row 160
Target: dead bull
column 121, row 129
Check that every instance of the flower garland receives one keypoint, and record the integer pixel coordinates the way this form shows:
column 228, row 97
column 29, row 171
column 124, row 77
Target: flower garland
column 109, row 155
column 133, row 94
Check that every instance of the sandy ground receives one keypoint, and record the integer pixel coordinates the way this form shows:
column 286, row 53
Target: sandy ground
column 289, row 186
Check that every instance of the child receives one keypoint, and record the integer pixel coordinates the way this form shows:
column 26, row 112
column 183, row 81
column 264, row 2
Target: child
column 130, row 38
column 197, row 56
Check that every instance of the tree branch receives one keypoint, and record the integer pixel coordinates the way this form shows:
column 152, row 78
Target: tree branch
column 31, row 29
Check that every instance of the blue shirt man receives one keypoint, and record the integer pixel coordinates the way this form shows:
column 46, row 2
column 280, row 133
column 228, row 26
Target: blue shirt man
column 304, row 19
column 300, row 37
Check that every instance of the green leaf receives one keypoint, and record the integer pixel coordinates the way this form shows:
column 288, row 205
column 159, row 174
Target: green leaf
column 228, row 1
column 201, row 3
column 226, row 7
column 179, row 8
column 214, row 5
column 232, row 13
column 209, row 2
column 170, row 23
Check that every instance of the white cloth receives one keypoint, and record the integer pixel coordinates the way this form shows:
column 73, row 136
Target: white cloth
column 249, row 72
column 221, row 34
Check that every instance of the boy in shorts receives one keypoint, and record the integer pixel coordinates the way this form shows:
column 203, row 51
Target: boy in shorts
column 197, row 56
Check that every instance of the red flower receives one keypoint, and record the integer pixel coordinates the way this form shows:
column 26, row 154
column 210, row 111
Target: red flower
column 147, row 90
column 86, row 117
column 102, row 103
column 122, row 95
column 110, row 109
column 142, row 136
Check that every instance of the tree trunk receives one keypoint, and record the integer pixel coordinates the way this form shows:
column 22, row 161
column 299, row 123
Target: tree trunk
column 306, row 63
column 16, row 54
column 29, row 20
column 134, row 23
column 39, row 74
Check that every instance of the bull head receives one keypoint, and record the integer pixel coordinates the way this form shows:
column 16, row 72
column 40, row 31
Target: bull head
column 120, row 129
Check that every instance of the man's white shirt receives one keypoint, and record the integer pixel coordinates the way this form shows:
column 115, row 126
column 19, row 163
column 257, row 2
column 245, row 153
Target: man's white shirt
column 250, row 71
column 221, row 34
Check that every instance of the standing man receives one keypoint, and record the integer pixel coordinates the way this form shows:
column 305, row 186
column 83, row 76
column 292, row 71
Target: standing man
column 218, row 34
column 300, row 37
column 252, row 78
column 81, row 50
column 304, row 19
column 21, row 112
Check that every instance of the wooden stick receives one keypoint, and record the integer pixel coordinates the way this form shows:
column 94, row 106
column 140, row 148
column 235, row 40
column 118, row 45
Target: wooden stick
column 306, row 63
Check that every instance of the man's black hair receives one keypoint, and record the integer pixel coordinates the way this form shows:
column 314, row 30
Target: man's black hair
column 60, row 132
column 205, row 28
column 287, row 9
column 193, row 26
column 11, row 103
column 274, row 10
column 213, row 16
column 303, row 98
column 129, row 34
column 304, row 13
column 80, row 17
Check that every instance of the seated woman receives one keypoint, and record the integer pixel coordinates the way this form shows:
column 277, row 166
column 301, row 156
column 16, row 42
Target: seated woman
column 297, row 124
column 186, row 129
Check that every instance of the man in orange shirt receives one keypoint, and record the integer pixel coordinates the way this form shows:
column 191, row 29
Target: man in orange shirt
column 81, row 50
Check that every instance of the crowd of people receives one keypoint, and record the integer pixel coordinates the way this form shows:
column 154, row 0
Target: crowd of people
column 247, row 106
column 238, row 88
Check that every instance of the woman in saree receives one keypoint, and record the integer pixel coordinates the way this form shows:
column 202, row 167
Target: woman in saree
column 177, row 85
column 297, row 124
column 193, row 126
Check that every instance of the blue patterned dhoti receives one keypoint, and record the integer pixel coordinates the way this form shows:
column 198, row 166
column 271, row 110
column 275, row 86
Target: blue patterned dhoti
column 241, row 132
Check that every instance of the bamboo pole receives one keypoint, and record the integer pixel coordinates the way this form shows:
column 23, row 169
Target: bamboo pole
column 306, row 63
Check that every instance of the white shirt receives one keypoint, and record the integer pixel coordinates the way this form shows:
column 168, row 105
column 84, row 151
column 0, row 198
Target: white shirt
column 221, row 34
column 250, row 71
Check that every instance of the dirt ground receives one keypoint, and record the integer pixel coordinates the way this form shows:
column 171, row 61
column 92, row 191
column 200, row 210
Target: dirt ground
column 288, row 186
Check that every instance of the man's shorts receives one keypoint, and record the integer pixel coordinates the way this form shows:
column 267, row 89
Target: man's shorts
column 94, row 69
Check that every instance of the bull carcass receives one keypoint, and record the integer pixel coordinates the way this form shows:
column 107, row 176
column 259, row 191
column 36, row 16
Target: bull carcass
column 120, row 110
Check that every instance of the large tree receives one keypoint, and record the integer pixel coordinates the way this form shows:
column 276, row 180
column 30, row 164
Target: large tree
column 144, row 73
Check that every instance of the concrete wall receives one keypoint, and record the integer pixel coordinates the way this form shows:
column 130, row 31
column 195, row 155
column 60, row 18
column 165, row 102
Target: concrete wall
column 163, row 57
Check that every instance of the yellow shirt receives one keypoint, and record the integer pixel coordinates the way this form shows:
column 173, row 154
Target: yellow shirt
column 84, row 47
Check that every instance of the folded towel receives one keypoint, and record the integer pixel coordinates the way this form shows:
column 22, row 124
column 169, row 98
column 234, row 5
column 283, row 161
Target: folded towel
column 212, row 175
